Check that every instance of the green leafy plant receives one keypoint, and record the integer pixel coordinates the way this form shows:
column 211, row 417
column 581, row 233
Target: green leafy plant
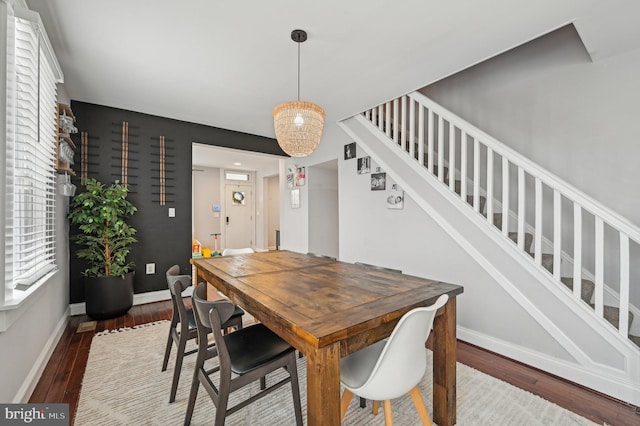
column 100, row 214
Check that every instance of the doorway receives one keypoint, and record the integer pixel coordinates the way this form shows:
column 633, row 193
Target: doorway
column 238, row 224
column 212, row 204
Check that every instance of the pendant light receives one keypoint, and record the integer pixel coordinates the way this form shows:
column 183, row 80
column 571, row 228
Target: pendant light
column 298, row 124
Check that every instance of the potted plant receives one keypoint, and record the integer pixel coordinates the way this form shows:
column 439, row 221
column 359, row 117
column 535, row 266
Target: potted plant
column 106, row 240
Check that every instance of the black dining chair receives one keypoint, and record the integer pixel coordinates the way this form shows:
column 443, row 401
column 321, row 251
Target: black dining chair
column 187, row 329
column 244, row 356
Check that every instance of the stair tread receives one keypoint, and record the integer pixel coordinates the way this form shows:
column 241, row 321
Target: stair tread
column 547, row 261
column 587, row 288
column 528, row 240
column 612, row 314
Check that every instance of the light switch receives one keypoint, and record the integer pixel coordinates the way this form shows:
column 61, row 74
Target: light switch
column 172, row 212
column 151, row 268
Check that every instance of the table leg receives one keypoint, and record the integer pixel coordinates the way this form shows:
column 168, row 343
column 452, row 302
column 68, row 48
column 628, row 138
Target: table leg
column 444, row 366
column 323, row 386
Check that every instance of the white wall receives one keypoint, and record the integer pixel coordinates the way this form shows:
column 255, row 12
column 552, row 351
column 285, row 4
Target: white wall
column 322, row 180
column 549, row 102
column 206, row 193
column 294, row 223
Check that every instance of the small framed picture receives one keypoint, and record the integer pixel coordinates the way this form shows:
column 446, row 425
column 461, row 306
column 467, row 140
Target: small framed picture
column 378, row 181
column 350, row 151
column 364, row 165
column 395, row 198
column 295, row 199
column 300, row 176
column 290, row 178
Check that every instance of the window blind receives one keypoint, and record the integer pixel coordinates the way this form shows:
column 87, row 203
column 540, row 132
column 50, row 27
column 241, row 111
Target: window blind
column 30, row 233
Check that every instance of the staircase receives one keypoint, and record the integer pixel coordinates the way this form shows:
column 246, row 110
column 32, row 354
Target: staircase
column 565, row 239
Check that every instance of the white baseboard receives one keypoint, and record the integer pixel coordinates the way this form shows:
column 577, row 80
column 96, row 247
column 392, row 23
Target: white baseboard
column 138, row 299
column 609, row 382
column 31, row 381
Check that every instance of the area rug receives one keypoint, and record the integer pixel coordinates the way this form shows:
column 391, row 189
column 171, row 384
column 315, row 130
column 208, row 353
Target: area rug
column 123, row 385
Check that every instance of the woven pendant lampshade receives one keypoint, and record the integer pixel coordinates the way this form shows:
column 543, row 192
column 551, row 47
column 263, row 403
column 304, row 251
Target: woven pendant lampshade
column 298, row 124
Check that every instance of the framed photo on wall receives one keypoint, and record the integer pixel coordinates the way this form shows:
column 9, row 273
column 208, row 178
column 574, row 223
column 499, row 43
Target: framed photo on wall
column 290, row 178
column 395, row 198
column 364, row 165
column 378, row 181
column 300, row 176
column 350, row 151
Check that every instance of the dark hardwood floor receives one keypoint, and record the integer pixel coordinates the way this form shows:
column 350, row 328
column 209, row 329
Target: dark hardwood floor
column 62, row 378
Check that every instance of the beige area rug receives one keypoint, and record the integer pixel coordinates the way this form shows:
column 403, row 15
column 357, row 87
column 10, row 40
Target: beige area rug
column 123, row 385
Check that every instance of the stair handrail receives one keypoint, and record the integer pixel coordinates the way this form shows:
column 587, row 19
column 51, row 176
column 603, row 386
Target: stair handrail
column 611, row 217
column 397, row 120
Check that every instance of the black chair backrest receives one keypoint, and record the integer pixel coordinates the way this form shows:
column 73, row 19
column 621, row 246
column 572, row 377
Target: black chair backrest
column 223, row 308
column 210, row 315
column 173, row 275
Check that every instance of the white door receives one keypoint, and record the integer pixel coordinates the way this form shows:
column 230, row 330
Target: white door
column 238, row 224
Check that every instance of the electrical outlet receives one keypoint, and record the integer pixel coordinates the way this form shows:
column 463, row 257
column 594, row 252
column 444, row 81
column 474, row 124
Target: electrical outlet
column 172, row 212
column 151, row 268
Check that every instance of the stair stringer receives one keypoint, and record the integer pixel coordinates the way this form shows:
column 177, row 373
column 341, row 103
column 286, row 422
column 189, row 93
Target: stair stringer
column 605, row 361
column 611, row 296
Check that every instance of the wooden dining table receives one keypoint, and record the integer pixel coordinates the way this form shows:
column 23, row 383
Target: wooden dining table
column 328, row 309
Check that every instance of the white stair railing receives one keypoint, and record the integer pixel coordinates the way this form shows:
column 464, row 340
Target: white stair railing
column 577, row 226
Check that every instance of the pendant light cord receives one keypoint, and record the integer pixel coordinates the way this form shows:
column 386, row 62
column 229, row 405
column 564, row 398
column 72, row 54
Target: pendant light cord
column 298, row 71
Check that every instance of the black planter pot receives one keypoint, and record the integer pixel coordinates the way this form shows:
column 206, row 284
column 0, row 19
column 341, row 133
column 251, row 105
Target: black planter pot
column 108, row 297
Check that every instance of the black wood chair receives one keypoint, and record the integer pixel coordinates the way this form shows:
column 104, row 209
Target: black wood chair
column 187, row 329
column 244, row 356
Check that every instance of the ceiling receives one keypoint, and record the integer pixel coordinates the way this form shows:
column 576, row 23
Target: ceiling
column 229, row 63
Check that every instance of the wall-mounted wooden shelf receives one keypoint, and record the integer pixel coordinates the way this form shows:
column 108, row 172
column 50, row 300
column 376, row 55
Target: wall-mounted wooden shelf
column 63, row 167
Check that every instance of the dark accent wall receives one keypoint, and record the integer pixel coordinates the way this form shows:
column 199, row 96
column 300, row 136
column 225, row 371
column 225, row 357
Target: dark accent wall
column 162, row 240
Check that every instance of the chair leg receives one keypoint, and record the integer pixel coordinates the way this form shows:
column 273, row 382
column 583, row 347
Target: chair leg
column 195, row 384
column 223, row 400
column 347, row 395
column 388, row 417
column 419, row 403
column 177, row 369
column 374, row 409
column 167, row 352
column 295, row 388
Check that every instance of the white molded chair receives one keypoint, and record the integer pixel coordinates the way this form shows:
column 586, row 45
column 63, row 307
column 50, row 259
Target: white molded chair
column 230, row 251
column 390, row 368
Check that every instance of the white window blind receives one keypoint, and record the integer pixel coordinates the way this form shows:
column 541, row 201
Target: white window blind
column 31, row 142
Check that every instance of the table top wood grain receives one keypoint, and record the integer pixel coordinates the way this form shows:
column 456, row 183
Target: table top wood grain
column 323, row 300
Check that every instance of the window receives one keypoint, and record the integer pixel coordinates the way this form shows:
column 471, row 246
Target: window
column 32, row 74
column 241, row 176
